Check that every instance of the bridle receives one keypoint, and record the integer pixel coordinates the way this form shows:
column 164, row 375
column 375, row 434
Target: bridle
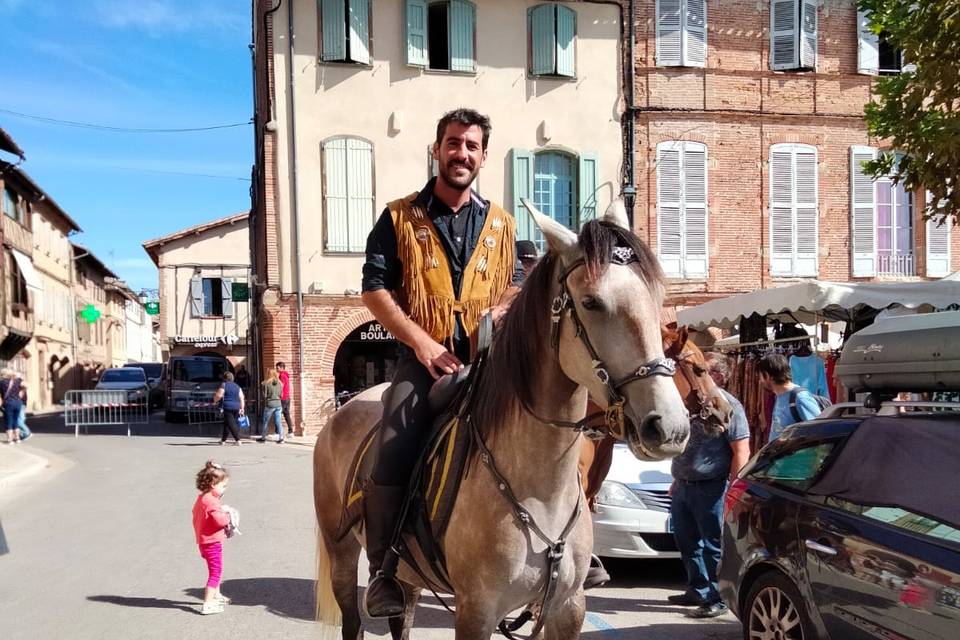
column 697, row 400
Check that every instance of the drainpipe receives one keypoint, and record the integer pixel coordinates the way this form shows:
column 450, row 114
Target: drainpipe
column 295, row 206
column 629, row 188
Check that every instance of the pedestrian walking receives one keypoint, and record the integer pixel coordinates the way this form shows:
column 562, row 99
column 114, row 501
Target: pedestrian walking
column 700, row 476
column 793, row 403
column 22, row 429
column 11, row 395
column 272, row 394
column 242, row 377
column 210, row 521
column 285, row 396
column 231, row 395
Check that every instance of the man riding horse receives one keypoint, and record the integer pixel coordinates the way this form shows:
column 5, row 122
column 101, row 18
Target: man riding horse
column 436, row 261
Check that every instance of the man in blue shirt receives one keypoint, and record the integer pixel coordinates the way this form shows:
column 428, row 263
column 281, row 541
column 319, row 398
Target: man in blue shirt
column 775, row 376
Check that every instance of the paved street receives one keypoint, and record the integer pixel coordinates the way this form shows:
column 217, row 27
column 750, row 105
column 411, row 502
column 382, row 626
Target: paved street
column 100, row 546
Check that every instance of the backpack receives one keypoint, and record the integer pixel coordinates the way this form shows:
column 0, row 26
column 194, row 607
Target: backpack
column 822, row 402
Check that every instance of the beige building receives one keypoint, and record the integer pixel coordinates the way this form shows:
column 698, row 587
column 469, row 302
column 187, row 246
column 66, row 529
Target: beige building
column 203, row 273
column 91, row 301
column 348, row 95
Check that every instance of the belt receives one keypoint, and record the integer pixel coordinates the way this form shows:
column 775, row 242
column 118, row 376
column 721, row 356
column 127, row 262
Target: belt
column 708, row 480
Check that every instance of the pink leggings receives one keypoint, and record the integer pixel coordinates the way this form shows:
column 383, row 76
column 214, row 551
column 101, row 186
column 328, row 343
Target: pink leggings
column 213, row 554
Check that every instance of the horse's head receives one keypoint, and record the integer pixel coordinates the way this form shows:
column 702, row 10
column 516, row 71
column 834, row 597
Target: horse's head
column 606, row 330
column 700, row 393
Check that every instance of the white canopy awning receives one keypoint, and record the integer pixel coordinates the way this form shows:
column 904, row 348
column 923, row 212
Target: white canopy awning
column 30, row 274
column 813, row 301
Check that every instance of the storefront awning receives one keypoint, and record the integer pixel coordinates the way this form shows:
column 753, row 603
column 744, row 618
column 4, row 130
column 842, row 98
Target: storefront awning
column 25, row 265
column 813, row 301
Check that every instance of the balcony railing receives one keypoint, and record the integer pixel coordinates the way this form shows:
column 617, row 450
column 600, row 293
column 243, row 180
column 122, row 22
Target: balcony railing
column 898, row 266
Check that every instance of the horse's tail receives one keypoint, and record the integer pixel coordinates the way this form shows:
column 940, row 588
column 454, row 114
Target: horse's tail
column 328, row 611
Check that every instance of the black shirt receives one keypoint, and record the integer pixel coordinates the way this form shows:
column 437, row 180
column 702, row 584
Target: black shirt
column 459, row 233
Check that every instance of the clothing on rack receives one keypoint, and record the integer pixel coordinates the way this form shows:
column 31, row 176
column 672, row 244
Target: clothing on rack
column 810, row 373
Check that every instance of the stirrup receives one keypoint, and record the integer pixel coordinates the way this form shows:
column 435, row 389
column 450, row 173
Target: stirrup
column 384, row 584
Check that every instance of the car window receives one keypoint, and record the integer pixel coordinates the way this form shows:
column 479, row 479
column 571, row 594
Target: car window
column 900, row 518
column 122, row 375
column 152, row 370
column 199, row 370
column 797, row 469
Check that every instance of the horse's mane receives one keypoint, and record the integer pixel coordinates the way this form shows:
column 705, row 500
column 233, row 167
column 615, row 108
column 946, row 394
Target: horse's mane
column 521, row 342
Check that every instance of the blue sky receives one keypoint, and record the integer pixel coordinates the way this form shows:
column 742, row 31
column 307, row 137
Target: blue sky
column 137, row 64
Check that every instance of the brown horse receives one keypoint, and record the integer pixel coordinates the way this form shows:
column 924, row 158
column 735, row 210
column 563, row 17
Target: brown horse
column 586, row 323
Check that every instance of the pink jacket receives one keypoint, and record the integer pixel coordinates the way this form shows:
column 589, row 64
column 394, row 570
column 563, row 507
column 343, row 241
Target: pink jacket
column 285, row 381
column 209, row 518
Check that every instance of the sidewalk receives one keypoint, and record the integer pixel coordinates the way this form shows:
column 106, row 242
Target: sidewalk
column 18, row 462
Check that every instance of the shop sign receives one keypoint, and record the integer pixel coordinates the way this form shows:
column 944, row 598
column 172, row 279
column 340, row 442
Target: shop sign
column 207, row 341
column 375, row 333
column 152, row 308
column 240, row 292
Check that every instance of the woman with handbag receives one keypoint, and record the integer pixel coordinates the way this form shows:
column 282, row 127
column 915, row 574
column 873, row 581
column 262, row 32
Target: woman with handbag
column 231, row 395
column 11, row 396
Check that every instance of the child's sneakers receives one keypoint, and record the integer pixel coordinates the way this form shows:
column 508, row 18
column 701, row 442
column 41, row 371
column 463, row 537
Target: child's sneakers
column 211, row 606
column 222, row 598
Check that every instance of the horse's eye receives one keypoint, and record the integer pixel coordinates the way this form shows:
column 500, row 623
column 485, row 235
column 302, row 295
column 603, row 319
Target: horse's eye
column 590, row 303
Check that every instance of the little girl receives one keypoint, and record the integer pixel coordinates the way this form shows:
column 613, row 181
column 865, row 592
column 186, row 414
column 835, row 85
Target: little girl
column 210, row 519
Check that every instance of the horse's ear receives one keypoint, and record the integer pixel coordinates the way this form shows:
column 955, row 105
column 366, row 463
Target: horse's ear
column 560, row 239
column 683, row 334
column 617, row 214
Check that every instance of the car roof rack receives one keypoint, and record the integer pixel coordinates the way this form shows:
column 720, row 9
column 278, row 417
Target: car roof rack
column 884, row 408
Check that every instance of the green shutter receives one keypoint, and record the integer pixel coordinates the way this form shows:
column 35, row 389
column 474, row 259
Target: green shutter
column 417, row 33
column 566, row 36
column 332, row 15
column 462, row 20
column 521, row 162
column 360, row 31
column 543, row 39
column 588, row 176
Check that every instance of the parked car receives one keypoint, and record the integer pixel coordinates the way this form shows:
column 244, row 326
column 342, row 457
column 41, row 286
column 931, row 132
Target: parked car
column 154, row 373
column 632, row 519
column 187, row 374
column 130, row 379
column 847, row 527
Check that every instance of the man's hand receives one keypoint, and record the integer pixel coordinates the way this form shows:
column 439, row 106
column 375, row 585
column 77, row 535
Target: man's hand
column 437, row 359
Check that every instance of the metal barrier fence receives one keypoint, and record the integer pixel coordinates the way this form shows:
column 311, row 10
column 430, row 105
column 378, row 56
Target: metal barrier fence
column 201, row 409
column 97, row 407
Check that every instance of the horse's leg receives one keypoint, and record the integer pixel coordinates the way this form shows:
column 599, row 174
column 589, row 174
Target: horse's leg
column 474, row 621
column 344, row 558
column 566, row 618
column 400, row 626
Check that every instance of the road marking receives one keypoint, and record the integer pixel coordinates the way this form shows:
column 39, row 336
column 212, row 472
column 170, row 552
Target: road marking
column 604, row 627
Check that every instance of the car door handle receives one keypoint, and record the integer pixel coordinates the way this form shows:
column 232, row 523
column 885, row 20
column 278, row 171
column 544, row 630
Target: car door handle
column 813, row 545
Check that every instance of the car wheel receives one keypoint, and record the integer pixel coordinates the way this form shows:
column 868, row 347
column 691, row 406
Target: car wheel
column 774, row 610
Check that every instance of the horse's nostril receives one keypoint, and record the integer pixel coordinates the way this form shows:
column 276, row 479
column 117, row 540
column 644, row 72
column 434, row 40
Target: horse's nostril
column 651, row 428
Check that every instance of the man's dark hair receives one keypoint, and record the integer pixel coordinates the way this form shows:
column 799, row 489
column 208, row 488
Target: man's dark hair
column 466, row 117
column 776, row 366
column 280, row 365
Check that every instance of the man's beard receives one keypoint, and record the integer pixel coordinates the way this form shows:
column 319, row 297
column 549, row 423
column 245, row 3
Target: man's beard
column 461, row 182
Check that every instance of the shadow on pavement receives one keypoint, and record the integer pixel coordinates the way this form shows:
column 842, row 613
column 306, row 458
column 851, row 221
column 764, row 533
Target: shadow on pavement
column 285, row 597
column 148, row 603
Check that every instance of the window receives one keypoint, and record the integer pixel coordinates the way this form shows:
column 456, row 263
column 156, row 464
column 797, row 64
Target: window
column 211, row 297
column 793, row 34
column 553, row 30
column 899, row 518
column 11, row 205
column 938, row 247
column 345, row 31
column 682, row 209
column 561, row 185
column 16, row 285
column 441, row 35
column 882, row 221
column 681, row 33
column 347, row 194
column 793, row 210
column 875, row 54
column 799, row 468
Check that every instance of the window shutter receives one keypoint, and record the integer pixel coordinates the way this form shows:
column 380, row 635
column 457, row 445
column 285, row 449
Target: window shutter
column 522, row 162
column 196, row 297
column 334, row 30
column 808, row 34
column 226, row 297
column 863, row 244
column 868, row 51
column 543, row 39
column 566, row 35
column 462, row 20
column 669, row 228
column 781, row 211
column 695, row 262
column 805, row 198
column 335, row 194
column 588, row 187
column 669, row 33
column 417, row 33
column 784, row 52
column 360, row 214
column 695, row 33
column 938, row 247
column 360, row 31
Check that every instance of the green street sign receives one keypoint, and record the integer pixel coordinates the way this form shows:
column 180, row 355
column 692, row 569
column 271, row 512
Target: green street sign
column 90, row 314
column 152, row 308
column 240, row 291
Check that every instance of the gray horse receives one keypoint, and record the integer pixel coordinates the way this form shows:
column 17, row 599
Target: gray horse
column 586, row 323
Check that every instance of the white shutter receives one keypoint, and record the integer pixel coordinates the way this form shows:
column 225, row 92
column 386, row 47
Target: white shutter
column 805, row 203
column 196, row 297
column 360, row 31
column 808, row 34
column 566, row 36
column 863, row 215
column 781, row 211
column 226, row 297
column 938, row 247
column 868, row 50
column 461, row 19
column 360, row 213
column 669, row 33
column 695, row 33
column 695, row 210
column 417, row 33
column 784, row 16
column 669, row 227
column 335, row 194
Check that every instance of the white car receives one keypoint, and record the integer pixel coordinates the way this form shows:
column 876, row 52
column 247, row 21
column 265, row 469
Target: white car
column 633, row 509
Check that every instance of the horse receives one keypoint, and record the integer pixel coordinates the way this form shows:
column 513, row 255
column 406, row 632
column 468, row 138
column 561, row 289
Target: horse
column 585, row 323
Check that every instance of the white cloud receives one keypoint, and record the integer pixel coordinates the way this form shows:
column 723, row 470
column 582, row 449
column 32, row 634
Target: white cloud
column 158, row 17
column 72, row 57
